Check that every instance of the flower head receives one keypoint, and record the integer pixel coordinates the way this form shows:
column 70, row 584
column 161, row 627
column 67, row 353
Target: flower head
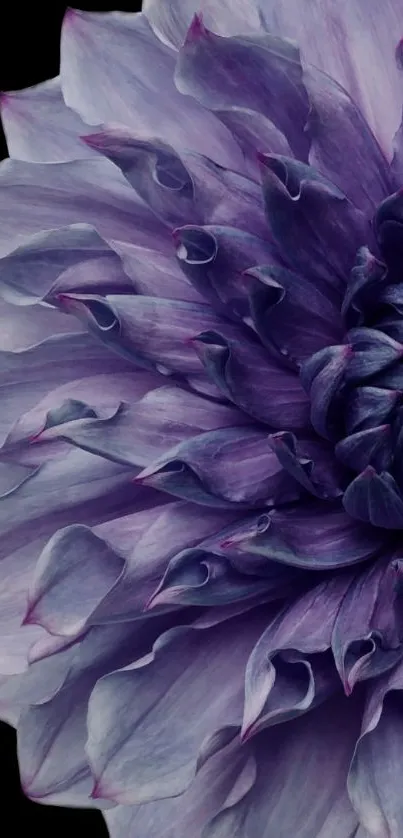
column 201, row 454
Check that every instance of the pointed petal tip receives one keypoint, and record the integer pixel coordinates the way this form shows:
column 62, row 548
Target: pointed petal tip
column 97, row 792
column 30, row 618
column 197, row 29
column 71, row 14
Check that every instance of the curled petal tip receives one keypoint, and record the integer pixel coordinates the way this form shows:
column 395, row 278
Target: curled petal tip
column 399, row 54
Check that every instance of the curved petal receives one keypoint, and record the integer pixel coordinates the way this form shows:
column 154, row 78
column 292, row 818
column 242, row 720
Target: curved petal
column 244, row 372
column 342, row 146
column 346, row 40
column 195, row 577
column 215, row 258
column 29, row 374
column 35, row 197
column 239, row 72
column 376, row 771
column 293, row 315
column 188, row 814
column 15, row 640
column 313, row 535
column 154, row 274
column 153, row 333
column 51, row 735
column 182, row 189
column 227, row 17
column 73, row 258
column 300, row 783
column 128, row 57
column 72, row 488
column 192, row 679
column 93, row 397
column 39, row 127
column 308, row 217
column 76, row 560
column 376, row 499
column 155, row 535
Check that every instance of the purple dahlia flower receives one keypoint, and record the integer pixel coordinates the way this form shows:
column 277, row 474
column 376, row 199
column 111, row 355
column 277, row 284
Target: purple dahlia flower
column 202, row 420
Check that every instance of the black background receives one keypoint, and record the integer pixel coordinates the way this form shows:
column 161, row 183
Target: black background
column 29, row 53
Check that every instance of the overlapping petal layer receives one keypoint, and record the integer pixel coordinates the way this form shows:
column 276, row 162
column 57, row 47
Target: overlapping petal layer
column 201, row 489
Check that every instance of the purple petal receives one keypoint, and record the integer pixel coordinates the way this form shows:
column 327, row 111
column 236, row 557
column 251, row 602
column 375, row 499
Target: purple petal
column 139, row 433
column 375, row 777
column 188, row 814
column 51, row 736
column 73, row 574
column 346, row 41
column 260, row 75
column 308, row 218
column 28, row 375
column 73, row 258
column 144, row 758
column 230, row 17
column 376, row 499
column 42, row 197
column 254, row 133
column 300, row 785
column 39, row 127
column 372, row 353
column 153, row 537
column 374, row 446
column 313, row 535
column 155, row 274
column 16, row 641
column 351, row 159
column 365, row 284
column 247, row 376
column 223, row 467
column 310, row 463
column 153, row 169
column 366, row 637
column 280, row 683
column 397, row 162
column 73, row 488
column 126, row 56
column 150, row 332
column 368, row 407
column 196, row 577
column 93, row 397
column 186, row 188
column 214, row 260
column 388, row 223
column 322, row 376
column 292, row 315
